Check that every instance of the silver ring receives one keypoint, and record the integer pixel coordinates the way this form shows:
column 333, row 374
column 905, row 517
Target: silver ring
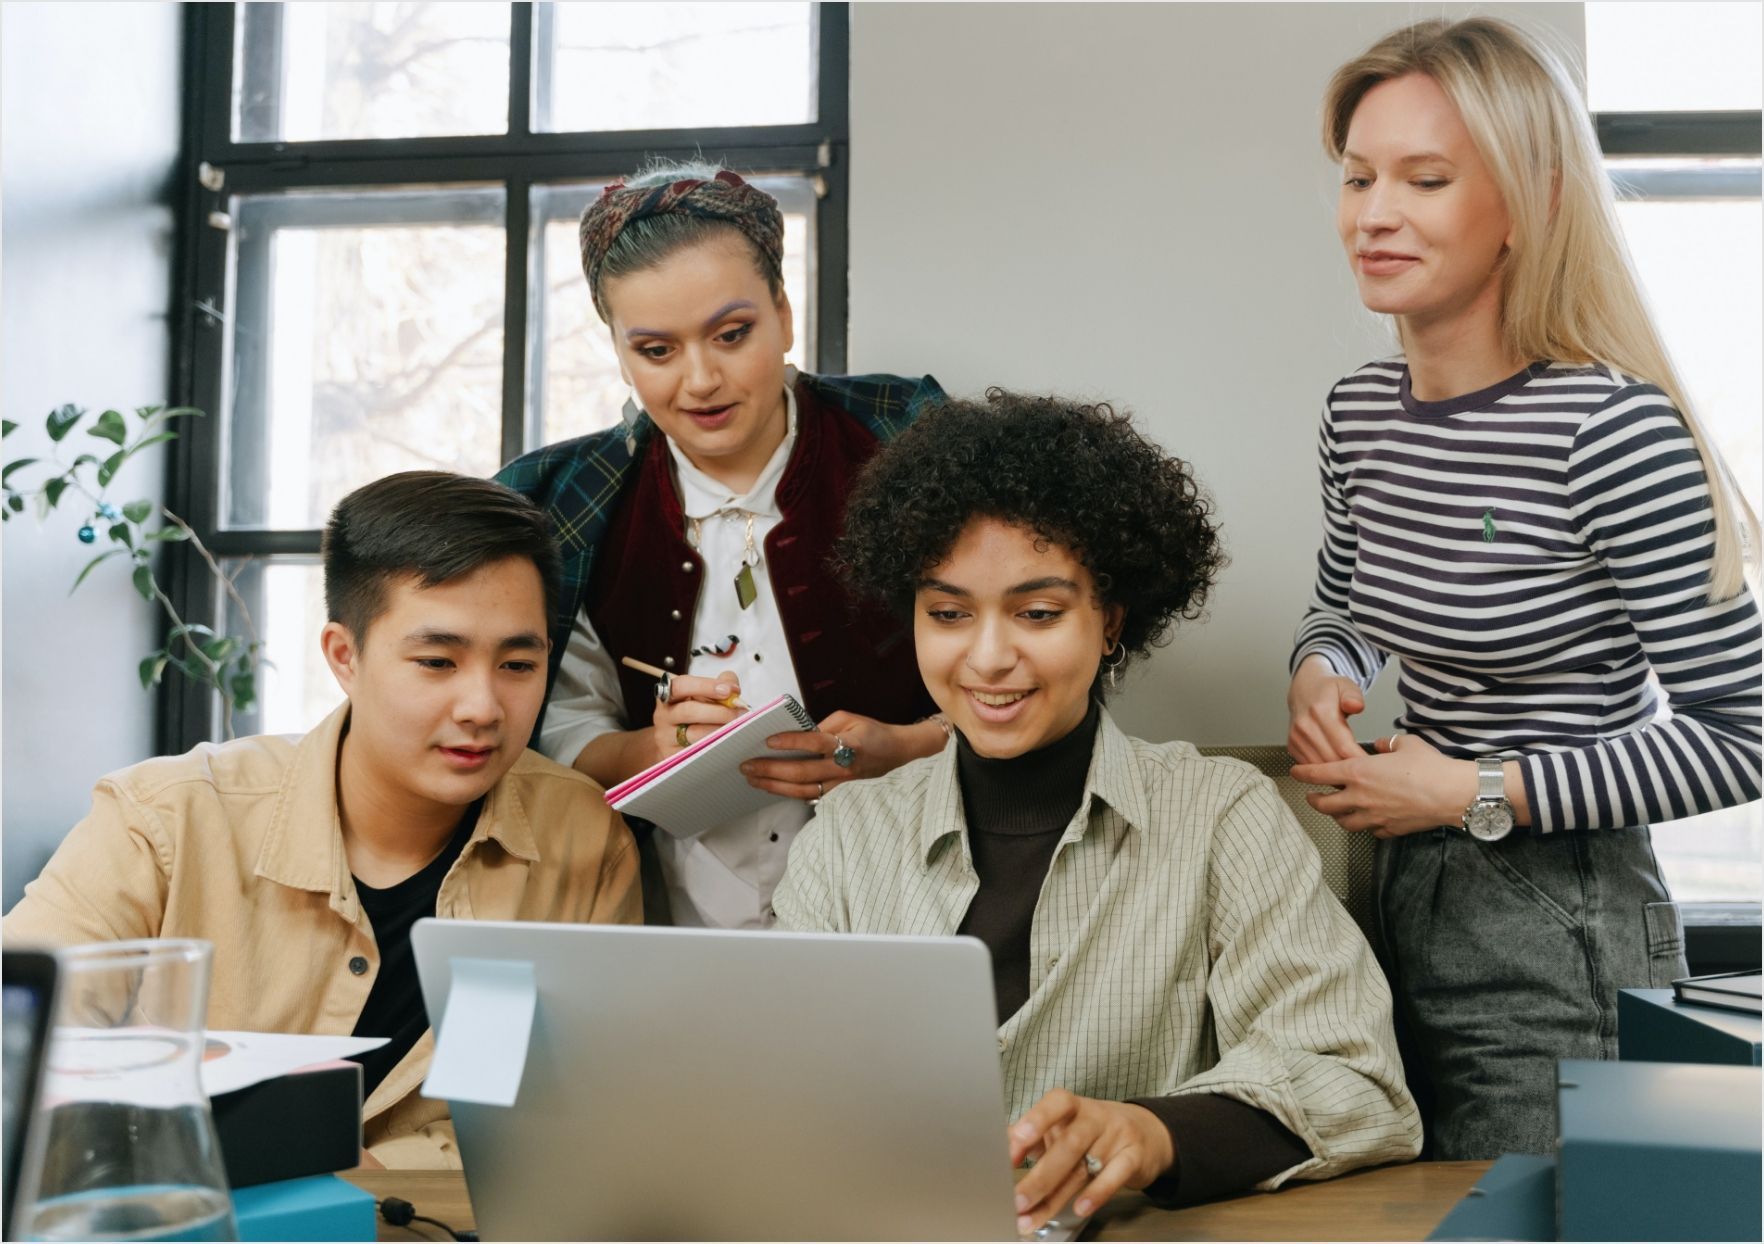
column 1390, row 743
column 1092, row 1165
column 820, row 790
column 843, row 754
column 664, row 689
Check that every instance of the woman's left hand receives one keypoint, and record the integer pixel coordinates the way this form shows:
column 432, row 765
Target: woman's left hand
column 876, row 748
column 1060, row 1130
column 1409, row 786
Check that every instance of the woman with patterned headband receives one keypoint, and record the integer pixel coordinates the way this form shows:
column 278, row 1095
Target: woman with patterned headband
column 696, row 537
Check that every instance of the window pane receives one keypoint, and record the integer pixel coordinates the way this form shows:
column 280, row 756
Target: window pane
column 367, row 339
column 1714, row 857
column 1702, row 267
column 286, row 597
column 576, row 384
column 673, row 66
column 328, row 70
column 1674, row 56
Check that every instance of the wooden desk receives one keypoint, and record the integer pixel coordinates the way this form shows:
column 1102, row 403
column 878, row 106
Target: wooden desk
column 1391, row 1203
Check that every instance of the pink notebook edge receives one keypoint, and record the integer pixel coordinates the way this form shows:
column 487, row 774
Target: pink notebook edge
column 637, row 781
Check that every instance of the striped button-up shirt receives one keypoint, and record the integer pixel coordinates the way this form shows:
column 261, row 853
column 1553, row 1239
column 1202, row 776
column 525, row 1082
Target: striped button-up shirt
column 1183, row 942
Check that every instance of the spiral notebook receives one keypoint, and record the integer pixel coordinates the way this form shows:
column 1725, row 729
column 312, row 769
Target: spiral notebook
column 702, row 785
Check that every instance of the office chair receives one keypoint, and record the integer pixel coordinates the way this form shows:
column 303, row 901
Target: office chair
column 1347, row 857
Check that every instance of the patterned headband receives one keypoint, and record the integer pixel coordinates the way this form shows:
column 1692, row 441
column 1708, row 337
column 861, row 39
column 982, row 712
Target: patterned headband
column 726, row 198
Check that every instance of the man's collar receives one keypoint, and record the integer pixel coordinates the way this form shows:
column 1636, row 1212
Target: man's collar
column 303, row 847
column 1113, row 778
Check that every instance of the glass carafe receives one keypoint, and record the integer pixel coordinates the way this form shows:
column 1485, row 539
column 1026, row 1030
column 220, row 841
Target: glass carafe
column 125, row 1145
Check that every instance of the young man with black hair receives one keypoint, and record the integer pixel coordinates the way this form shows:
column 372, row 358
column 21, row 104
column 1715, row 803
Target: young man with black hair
column 306, row 861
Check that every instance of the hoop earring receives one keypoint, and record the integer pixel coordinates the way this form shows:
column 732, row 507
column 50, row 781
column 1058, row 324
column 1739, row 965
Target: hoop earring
column 1112, row 669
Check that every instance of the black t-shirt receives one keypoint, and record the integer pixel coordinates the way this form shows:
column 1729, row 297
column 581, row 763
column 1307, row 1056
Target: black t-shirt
column 394, row 1006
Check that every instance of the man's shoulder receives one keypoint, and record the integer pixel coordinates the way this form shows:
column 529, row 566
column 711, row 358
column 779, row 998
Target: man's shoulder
column 555, row 796
column 255, row 764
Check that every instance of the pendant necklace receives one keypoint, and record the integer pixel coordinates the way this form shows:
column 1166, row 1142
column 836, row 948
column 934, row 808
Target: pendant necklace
column 746, row 591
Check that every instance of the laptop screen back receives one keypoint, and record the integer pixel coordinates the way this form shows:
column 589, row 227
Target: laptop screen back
column 707, row 1084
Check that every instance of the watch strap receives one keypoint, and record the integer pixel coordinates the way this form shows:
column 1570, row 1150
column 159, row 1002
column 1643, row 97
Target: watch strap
column 1491, row 779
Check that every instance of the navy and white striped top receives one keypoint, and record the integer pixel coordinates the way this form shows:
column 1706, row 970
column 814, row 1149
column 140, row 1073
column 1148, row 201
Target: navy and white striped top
column 1537, row 554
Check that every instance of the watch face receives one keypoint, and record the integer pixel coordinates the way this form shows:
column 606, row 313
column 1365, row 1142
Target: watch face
column 1490, row 821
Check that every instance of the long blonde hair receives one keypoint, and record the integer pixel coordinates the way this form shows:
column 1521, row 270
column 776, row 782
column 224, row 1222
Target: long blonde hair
column 1569, row 291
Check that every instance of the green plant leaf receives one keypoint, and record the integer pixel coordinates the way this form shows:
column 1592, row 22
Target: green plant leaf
column 82, row 460
column 137, row 511
column 122, row 534
column 7, row 427
column 155, row 439
column 62, row 419
column 144, row 581
column 221, row 649
column 16, row 503
column 107, row 471
column 243, row 686
column 110, row 427
column 81, row 577
column 181, row 632
column 152, row 669
column 182, row 412
column 169, row 532
column 15, row 464
column 52, row 492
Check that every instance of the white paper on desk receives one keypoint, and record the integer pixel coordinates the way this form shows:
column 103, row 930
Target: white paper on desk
column 481, row 1048
column 234, row 1060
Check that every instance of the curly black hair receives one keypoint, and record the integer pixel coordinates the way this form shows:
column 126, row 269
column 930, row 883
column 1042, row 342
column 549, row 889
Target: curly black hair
column 1081, row 476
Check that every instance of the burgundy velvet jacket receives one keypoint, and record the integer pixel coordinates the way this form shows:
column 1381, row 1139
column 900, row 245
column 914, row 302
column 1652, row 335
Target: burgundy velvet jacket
column 611, row 500
column 645, row 584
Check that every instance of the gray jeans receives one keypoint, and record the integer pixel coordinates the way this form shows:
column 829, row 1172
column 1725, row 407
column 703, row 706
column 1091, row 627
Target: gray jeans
column 1508, row 956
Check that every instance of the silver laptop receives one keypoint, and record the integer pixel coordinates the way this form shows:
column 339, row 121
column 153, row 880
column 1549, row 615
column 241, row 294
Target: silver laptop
column 700, row 1084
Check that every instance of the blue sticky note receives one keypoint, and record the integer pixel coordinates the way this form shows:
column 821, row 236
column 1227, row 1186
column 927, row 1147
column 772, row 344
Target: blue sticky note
column 481, row 1045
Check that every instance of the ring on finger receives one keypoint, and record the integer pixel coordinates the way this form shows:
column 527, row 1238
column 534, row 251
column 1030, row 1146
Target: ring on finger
column 1092, row 1165
column 820, row 790
column 680, row 735
column 664, row 689
column 843, row 753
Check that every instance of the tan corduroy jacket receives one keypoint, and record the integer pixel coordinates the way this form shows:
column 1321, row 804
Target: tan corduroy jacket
column 239, row 844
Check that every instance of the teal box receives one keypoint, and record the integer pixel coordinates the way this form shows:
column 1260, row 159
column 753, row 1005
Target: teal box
column 1515, row 1200
column 1658, row 1151
column 319, row 1207
column 1653, row 1028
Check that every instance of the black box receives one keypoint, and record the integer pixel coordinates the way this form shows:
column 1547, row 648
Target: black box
column 307, row 1122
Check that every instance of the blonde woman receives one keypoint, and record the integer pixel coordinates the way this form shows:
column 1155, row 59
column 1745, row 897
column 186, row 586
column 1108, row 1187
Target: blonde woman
column 1524, row 510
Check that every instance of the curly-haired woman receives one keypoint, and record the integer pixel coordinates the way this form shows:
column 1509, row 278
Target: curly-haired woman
column 695, row 538
column 1522, row 509
column 1183, row 1005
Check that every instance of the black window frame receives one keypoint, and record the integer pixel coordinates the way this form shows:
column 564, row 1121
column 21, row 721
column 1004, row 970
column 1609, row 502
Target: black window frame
column 214, row 167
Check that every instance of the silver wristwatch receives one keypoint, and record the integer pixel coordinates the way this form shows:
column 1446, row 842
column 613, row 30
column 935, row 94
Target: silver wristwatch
column 1490, row 817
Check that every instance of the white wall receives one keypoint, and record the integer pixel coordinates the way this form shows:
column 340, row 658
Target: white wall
column 1129, row 201
column 88, row 139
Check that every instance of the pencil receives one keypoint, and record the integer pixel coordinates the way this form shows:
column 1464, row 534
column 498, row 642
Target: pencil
column 644, row 667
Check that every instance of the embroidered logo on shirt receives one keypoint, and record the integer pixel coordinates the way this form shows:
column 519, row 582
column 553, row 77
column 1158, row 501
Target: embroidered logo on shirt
column 1488, row 527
